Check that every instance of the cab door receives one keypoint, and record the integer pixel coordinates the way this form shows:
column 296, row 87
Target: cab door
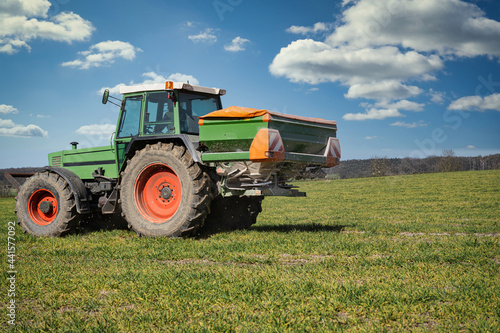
column 128, row 126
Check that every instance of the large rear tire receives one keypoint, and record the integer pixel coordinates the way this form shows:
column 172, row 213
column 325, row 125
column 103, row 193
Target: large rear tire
column 164, row 192
column 46, row 206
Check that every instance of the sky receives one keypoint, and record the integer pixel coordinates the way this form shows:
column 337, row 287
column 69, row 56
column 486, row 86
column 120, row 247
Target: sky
column 402, row 78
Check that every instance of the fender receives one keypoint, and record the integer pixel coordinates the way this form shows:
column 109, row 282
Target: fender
column 141, row 141
column 77, row 187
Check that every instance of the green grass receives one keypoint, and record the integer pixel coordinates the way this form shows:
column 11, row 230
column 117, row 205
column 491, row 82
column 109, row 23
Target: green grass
column 406, row 253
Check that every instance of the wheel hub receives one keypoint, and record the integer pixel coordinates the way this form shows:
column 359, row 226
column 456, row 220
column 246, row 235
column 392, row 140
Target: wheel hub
column 45, row 206
column 166, row 193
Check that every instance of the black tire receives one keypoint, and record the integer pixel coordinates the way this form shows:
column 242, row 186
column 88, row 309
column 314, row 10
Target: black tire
column 164, row 192
column 233, row 213
column 56, row 218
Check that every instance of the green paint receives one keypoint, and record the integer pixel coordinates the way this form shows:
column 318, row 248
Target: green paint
column 299, row 137
column 79, row 161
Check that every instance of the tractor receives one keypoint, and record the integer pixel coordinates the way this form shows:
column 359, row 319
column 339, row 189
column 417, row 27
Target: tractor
column 177, row 160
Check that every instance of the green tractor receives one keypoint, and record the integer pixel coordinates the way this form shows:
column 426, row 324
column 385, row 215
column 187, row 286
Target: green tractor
column 177, row 160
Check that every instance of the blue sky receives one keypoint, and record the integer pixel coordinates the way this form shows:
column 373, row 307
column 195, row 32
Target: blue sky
column 402, row 78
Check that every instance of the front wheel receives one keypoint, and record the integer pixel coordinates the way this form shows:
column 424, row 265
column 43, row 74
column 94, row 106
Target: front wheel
column 164, row 192
column 46, row 206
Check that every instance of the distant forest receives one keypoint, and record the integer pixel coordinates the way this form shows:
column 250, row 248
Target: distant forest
column 381, row 166
column 374, row 167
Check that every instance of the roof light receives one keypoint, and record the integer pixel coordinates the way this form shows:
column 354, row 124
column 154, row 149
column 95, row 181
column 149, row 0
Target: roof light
column 169, row 85
column 222, row 92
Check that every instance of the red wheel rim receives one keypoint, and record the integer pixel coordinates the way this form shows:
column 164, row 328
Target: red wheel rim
column 42, row 207
column 157, row 193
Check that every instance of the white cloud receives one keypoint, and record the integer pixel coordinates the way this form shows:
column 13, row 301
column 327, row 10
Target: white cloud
column 470, row 147
column 385, row 109
column 179, row 77
column 25, row 7
column 5, row 109
column 491, row 102
column 318, row 27
column 447, row 27
column 315, row 62
column 104, row 130
column 236, row 45
column 373, row 114
column 390, row 89
column 370, row 137
column 401, row 105
column 11, row 46
column 113, row 90
column 6, row 123
column 437, row 96
column 409, row 125
column 22, row 21
column 104, row 54
column 9, row 128
column 205, row 36
column 150, row 78
column 346, row 2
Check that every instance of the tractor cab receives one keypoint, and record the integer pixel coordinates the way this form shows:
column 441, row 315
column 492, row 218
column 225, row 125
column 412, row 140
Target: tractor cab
column 163, row 109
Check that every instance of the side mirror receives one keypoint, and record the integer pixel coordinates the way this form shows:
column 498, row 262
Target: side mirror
column 105, row 96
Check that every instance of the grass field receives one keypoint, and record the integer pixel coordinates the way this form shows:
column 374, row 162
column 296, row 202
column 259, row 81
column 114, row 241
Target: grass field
column 406, row 253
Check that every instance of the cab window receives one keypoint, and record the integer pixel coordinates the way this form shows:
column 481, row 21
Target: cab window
column 194, row 105
column 159, row 114
column 130, row 118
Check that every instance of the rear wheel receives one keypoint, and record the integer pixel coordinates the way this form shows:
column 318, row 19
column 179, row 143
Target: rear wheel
column 46, row 206
column 164, row 192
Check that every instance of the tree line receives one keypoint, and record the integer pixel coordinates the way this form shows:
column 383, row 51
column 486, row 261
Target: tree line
column 383, row 166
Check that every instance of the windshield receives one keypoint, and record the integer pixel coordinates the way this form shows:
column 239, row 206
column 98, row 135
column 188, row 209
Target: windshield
column 194, row 105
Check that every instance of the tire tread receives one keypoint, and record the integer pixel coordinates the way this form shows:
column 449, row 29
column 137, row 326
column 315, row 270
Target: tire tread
column 200, row 200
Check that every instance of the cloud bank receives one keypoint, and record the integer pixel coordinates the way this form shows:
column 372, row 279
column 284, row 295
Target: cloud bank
column 22, row 21
column 9, row 128
column 382, row 49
